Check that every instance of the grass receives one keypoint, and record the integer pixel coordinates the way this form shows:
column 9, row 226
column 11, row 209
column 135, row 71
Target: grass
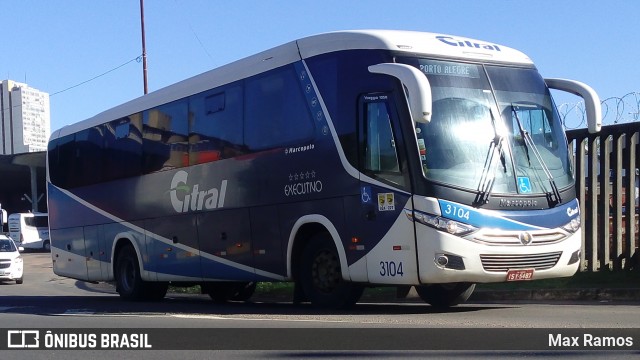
column 276, row 288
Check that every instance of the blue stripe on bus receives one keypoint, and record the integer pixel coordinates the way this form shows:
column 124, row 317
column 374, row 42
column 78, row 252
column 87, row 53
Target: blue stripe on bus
column 510, row 220
column 207, row 265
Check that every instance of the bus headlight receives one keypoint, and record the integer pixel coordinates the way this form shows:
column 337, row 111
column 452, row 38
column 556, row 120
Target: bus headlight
column 573, row 225
column 443, row 224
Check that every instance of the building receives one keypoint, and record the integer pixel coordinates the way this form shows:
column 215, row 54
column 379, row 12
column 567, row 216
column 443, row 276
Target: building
column 25, row 118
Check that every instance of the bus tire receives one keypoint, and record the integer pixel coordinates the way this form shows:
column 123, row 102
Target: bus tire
column 129, row 283
column 155, row 291
column 321, row 276
column 445, row 295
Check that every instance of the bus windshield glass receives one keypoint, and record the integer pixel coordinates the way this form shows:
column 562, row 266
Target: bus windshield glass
column 481, row 116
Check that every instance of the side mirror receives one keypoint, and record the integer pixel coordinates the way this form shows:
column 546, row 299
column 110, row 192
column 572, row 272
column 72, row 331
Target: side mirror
column 20, row 249
column 590, row 97
column 416, row 86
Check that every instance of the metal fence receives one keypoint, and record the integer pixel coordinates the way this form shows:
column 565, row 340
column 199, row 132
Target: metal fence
column 606, row 170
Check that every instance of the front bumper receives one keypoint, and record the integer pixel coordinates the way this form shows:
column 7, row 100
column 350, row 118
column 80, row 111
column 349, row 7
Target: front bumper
column 470, row 261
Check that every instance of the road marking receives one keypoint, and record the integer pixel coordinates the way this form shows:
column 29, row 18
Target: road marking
column 93, row 313
column 214, row 317
column 78, row 312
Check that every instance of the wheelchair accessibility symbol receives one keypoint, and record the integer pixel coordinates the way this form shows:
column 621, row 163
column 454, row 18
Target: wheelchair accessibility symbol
column 524, row 185
column 365, row 194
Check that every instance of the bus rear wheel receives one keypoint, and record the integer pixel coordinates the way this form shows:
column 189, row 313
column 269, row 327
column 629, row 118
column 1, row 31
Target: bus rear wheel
column 129, row 283
column 321, row 276
column 445, row 295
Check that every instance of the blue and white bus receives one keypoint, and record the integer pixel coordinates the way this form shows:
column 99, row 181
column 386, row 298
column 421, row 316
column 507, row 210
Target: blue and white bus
column 337, row 161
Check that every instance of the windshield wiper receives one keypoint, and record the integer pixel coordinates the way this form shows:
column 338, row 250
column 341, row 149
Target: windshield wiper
column 554, row 197
column 487, row 178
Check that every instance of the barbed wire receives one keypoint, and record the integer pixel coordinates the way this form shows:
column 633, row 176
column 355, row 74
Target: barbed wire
column 615, row 110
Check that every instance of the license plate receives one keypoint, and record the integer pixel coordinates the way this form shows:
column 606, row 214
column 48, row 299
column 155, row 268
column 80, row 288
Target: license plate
column 520, row 275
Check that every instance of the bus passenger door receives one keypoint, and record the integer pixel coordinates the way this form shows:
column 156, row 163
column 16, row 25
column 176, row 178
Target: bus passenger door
column 384, row 232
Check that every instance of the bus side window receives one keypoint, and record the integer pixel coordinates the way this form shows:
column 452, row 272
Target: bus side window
column 215, row 125
column 165, row 131
column 380, row 156
column 276, row 111
column 63, row 155
column 123, row 148
column 88, row 152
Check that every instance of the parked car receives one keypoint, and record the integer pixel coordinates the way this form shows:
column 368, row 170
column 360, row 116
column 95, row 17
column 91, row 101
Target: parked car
column 11, row 266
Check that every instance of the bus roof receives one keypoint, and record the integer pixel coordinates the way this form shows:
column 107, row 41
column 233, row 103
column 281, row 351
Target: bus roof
column 412, row 42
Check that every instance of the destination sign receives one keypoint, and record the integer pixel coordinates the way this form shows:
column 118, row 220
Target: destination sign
column 448, row 68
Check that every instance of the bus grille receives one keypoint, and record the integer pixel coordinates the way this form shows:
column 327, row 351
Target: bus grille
column 505, row 262
column 512, row 238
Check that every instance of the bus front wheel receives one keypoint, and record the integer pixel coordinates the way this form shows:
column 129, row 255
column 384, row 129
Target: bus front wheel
column 445, row 295
column 129, row 283
column 321, row 276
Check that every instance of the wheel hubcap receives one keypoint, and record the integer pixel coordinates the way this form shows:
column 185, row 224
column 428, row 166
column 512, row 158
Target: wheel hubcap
column 325, row 271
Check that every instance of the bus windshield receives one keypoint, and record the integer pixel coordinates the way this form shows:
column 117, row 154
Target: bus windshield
column 492, row 122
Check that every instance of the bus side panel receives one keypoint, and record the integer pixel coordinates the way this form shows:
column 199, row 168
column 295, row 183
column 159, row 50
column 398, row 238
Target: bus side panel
column 268, row 249
column 172, row 244
column 65, row 211
column 225, row 234
column 69, row 254
column 95, row 254
column 386, row 240
column 394, row 260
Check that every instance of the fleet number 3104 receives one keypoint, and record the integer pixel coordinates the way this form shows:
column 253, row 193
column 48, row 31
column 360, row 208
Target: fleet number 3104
column 457, row 212
column 391, row 268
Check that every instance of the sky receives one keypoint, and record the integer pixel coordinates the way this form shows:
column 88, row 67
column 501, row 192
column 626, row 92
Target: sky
column 83, row 53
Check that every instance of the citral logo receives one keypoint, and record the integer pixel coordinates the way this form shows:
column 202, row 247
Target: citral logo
column 194, row 199
column 571, row 212
column 466, row 43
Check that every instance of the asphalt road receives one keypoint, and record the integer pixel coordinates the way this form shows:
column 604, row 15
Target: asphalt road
column 47, row 301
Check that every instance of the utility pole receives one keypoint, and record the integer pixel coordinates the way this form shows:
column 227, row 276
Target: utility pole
column 144, row 48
